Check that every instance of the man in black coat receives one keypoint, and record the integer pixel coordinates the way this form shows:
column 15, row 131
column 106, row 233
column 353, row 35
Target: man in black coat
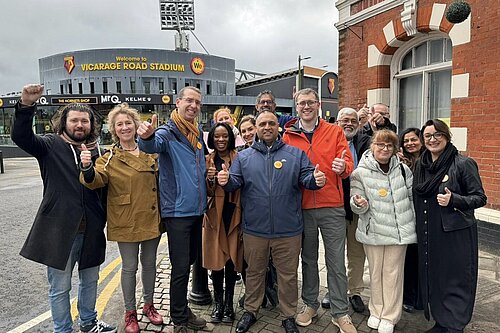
column 69, row 225
column 358, row 144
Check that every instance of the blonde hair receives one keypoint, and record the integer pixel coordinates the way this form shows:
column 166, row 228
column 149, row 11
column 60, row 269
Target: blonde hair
column 125, row 109
column 219, row 111
column 386, row 135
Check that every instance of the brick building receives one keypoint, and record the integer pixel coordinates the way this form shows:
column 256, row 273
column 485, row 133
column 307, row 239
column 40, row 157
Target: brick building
column 406, row 54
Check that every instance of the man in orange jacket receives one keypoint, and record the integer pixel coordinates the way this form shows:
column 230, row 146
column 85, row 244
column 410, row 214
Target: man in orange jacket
column 326, row 145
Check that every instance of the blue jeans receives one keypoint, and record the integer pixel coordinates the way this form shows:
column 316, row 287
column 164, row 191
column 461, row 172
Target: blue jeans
column 60, row 286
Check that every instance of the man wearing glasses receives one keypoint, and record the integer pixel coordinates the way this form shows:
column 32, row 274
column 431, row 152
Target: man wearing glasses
column 326, row 145
column 180, row 146
column 358, row 143
column 266, row 102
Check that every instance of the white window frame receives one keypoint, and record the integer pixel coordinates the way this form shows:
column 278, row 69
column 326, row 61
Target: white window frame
column 396, row 74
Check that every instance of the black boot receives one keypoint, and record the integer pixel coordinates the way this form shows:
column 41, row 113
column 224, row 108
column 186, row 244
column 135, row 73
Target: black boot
column 228, row 308
column 218, row 309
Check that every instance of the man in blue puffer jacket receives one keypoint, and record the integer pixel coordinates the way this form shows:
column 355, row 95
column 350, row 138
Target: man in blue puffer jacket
column 270, row 174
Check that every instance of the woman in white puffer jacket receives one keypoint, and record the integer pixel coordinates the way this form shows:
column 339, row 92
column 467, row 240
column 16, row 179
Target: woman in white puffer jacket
column 381, row 194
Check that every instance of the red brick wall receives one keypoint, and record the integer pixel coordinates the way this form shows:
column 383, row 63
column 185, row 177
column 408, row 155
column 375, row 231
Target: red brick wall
column 480, row 112
column 363, row 4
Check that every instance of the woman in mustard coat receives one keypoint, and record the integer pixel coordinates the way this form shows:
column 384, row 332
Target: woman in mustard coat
column 222, row 241
column 132, row 208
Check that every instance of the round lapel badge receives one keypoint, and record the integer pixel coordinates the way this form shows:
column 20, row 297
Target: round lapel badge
column 278, row 164
column 382, row 192
column 198, row 145
column 445, row 178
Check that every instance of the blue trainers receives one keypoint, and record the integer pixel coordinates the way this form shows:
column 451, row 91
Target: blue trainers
column 98, row 327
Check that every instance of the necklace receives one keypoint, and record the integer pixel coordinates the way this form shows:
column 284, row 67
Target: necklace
column 125, row 149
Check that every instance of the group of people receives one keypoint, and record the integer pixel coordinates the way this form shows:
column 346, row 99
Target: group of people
column 248, row 194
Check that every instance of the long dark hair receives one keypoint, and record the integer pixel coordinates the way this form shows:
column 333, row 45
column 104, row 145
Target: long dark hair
column 59, row 119
column 406, row 154
column 232, row 141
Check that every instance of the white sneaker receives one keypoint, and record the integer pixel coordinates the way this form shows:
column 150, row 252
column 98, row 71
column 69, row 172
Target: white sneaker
column 385, row 326
column 373, row 322
column 304, row 318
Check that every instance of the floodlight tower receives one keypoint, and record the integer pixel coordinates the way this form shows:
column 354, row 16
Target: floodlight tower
column 178, row 15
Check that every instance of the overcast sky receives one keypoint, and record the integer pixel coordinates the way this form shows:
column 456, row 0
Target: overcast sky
column 262, row 36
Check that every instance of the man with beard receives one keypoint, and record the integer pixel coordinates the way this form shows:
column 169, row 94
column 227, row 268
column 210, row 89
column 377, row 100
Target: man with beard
column 358, row 143
column 69, row 225
column 325, row 144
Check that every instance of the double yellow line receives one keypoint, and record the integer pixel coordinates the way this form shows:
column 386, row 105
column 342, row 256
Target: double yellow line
column 107, row 292
column 109, row 289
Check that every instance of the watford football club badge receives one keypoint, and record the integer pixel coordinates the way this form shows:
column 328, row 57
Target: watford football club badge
column 278, row 164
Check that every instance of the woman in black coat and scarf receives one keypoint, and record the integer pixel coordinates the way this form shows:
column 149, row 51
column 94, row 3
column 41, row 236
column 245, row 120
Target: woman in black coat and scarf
column 447, row 188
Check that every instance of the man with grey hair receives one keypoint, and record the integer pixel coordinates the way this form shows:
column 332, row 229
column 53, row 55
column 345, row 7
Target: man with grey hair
column 183, row 198
column 358, row 142
column 326, row 146
column 379, row 119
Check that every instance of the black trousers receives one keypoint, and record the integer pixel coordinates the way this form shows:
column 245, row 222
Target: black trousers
column 411, row 290
column 184, row 241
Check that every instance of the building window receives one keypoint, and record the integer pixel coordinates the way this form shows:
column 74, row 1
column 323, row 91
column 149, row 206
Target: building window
column 422, row 81
column 61, row 89
column 172, row 83
column 92, row 88
column 104, row 87
column 161, row 86
column 118, row 87
column 209, row 88
column 147, row 87
column 80, row 88
column 70, row 88
column 132, row 87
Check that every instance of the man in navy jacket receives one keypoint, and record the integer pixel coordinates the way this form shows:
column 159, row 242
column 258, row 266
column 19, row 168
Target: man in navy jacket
column 270, row 174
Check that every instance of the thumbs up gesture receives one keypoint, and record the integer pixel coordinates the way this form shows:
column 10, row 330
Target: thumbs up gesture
column 319, row 176
column 146, row 129
column 338, row 164
column 85, row 156
column 223, row 176
column 444, row 199
column 211, row 171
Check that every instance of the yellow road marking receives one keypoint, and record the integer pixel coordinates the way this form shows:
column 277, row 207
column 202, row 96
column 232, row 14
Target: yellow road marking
column 103, row 274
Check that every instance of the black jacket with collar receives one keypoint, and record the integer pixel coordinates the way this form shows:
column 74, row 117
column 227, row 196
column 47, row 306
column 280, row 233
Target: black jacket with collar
column 65, row 201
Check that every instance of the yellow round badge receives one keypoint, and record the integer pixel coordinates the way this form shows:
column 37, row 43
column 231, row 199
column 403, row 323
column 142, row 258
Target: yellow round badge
column 382, row 192
column 445, row 178
column 165, row 99
column 198, row 145
column 278, row 164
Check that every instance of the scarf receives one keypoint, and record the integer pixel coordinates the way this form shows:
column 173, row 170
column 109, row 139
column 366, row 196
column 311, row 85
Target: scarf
column 67, row 139
column 437, row 169
column 188, row 129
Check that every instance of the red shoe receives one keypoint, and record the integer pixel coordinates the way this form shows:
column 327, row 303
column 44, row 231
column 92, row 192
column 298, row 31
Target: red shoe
column 131, row 325
column 153, row 315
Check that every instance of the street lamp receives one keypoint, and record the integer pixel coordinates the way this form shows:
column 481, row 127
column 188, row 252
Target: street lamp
column 299, row 81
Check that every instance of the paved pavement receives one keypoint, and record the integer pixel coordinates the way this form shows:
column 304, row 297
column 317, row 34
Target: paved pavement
column 485, row 318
